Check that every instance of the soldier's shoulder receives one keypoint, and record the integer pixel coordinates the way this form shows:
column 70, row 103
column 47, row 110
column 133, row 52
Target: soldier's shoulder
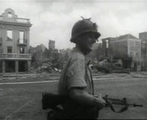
column 77, row 56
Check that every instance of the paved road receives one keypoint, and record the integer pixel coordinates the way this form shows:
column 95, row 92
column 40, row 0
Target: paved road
column 17, row 95
column 133, row 88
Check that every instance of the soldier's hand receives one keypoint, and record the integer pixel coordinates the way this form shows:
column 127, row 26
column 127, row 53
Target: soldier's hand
column 108, row 102
column 101, row 102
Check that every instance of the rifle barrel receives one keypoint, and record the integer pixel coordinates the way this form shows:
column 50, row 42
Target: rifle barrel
column 121, row 102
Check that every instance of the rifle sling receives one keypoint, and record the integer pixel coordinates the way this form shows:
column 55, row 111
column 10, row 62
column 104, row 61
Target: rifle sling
column 121, row 110
column 116, row 101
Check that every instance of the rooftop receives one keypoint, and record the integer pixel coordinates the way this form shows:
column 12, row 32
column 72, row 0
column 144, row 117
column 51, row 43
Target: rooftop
column 9, row 17
column 126, row 36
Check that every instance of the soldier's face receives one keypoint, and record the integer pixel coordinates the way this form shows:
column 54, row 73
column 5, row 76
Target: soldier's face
column 86, row 42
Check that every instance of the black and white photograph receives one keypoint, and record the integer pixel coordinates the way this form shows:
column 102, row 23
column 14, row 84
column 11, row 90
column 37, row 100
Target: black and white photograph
column 73, row 59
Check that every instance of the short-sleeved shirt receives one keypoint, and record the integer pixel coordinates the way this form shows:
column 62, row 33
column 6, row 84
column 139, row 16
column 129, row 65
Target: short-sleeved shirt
column 76, row 73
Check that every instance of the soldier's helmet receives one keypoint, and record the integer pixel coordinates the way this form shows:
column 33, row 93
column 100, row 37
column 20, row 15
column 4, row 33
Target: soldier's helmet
column 84, row 26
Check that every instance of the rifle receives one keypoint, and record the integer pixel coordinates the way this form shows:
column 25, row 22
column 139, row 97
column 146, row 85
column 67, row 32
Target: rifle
column 53, row 101
column 113, row 101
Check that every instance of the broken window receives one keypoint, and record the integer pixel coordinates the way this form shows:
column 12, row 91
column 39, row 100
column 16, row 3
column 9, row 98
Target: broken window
column 21, row 37
column 22, row 50
column 107, row 43
column 144, row 47
column 9, row 15
column 9, row 34
column 9, row 49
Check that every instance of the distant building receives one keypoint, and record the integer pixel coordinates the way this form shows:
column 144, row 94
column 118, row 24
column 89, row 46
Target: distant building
column 124, row 46
column 107, row 45
column 39, row 52
column 143, row 37
column 14, row 43
column 62, row 51
column 54, row 51
column 51, row 45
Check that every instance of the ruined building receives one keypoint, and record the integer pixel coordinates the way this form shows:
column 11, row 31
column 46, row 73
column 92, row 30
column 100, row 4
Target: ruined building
column 14, row 43
column 39, row 53
column 53, row 50
column 143, row 37
column 51, row 45
column 124, row 47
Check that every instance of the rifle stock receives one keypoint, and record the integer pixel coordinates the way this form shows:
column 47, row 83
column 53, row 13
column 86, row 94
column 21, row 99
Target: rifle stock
column 50, row 100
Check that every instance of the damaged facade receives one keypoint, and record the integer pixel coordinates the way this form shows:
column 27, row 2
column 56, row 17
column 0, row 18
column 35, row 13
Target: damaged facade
column 14, row 43
column 143, row 37
column 126, row 48
column 53, row 50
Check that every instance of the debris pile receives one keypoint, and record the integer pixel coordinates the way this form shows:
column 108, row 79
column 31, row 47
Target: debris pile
column 113, row 66
column 44, row 67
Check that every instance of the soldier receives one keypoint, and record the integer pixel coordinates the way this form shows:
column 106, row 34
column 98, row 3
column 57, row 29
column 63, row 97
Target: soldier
column 76, row 79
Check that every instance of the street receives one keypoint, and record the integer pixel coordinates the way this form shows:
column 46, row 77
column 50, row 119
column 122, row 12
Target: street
column 21, row 98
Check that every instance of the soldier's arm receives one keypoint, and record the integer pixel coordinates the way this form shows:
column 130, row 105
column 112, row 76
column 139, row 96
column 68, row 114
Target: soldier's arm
column 81, row 96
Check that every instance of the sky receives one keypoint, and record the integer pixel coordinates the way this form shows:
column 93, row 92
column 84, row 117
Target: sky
column 54, row 19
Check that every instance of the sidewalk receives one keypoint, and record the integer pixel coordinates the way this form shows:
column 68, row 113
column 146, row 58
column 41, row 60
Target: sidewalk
column 27, row 76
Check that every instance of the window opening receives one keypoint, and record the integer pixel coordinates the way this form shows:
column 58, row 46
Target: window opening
column 107, row 44
column 9, row 15
column 9, row 49
column 9, row 34
column 22, row 50
column 21, row 37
